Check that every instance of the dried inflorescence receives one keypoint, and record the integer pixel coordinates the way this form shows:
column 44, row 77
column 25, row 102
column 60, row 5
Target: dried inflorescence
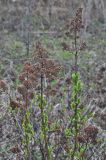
column 81, row 138
column 68, row 81
column 3, row 85
column 21, row 89
column 40, row 51
column 89, row 135
column 30, row 77
column 15, row 149
column 45, row 66
column 14, row 104
column 74, row 26
column 91, row 131
column 27, row 84
column 76, row 23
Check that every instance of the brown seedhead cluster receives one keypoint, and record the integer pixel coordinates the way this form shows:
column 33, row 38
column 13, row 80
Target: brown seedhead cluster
column 3, row 85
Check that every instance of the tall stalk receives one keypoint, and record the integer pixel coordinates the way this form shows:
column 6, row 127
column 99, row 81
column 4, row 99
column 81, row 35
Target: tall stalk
column 76, row 97
column 76, row 25
column 43, row 127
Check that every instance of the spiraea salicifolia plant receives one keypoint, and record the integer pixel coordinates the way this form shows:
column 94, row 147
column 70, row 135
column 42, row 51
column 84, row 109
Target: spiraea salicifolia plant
column 34, row 89
column 78, row 139
column 48, row 69
column 45, row 135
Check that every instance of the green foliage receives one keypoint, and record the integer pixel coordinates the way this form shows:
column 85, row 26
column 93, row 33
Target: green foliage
column 15, row 48
column 66, row 55
column 28, row 133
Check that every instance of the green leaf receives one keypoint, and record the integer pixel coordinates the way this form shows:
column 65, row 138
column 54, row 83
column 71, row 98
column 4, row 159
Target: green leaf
column 73, row 105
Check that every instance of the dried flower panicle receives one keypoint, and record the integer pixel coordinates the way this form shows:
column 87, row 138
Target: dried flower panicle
column 48, row 67
column 68, row 81
column 52, row 68
column 91, row 131
column 32, row 72
column 81, row 138
column 15, row 149
column 21, row 89
column 40, row 51
column 45, row 66
column 76, row 23
column 27, row 84
column 27, row 67
column 3, row 85
column 14, row 104
column 74, row 26
column 89, row 135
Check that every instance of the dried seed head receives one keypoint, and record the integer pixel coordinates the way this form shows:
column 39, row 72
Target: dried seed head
column 32, row 77
column 91, row 131
column 79, row 12
column 3, row 85
column 81, row 139
column 27, row 84
column 15, row 149
column 14, row 104
column 22, row 89
column 40, row 51
column 26, row 67
column 76, row 22
column 68, row 81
